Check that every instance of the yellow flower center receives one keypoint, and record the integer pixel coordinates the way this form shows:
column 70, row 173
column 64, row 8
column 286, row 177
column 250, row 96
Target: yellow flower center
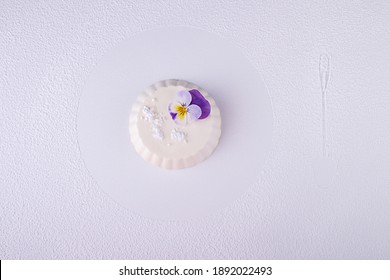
column 181, row 111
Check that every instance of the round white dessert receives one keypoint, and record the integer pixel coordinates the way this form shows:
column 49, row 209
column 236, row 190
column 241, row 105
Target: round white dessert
column 158, row 139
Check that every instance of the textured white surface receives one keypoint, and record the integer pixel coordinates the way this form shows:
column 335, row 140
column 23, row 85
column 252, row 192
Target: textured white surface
column 51, row 208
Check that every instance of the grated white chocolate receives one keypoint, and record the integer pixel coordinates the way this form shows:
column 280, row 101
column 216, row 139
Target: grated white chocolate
column 179, row 135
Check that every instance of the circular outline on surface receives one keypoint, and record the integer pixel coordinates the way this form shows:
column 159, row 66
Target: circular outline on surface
column 212, row 193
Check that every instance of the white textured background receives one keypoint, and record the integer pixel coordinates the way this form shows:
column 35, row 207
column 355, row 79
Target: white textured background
column 50, row 207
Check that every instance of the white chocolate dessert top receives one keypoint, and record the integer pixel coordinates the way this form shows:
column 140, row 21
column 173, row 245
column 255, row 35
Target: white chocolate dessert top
column 164, row 141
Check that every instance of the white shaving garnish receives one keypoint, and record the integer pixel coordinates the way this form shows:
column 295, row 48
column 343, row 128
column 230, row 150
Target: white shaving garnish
column 156, row 121
column 157, row 133
column 179, row 136
column 147, row 113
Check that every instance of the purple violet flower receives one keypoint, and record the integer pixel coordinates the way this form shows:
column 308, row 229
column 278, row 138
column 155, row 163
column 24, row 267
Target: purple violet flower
column 188, row 107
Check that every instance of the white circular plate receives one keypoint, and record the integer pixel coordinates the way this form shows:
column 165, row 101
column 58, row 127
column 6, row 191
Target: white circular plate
column 174, row 53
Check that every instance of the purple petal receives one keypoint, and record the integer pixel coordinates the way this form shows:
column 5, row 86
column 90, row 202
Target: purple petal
column 198, row 99
column 171, row 109
column 193, row 113
column 184, row 97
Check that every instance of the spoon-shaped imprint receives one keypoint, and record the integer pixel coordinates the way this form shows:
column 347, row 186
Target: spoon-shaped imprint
column 324, row 68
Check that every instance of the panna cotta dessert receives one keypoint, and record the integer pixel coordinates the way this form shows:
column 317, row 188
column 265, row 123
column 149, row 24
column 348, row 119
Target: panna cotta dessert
column 175, row 124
